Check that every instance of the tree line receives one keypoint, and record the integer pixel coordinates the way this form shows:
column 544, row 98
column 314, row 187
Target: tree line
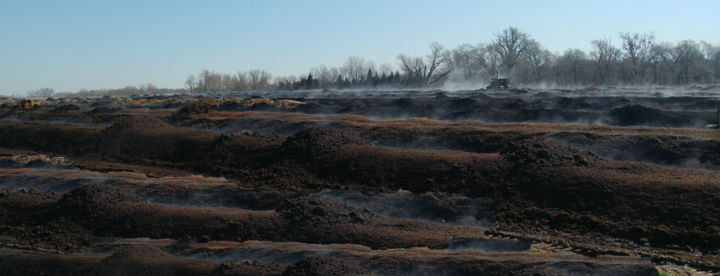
column 637, row 59
column 140, row 90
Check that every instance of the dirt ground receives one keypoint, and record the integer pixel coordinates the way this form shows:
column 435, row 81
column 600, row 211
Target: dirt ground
column 606, row 182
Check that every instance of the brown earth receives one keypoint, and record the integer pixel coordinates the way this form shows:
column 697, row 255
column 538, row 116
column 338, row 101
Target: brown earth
column 542, row 179
column 150, row 257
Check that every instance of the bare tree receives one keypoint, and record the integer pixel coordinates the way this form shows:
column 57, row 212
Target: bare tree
column 433, row 68
column 42, row 93
column 190, row 83
column 465, row 62
column 213, row 81
column 148, row 87
column 439, row 64
column 487, row 57
column 259, row 79
column 539, row 60
column 254, row 79
column 322, row 74
column 242, row 84
column 285, row 83
column 386, row 69
column 638, row 56
column 355, row 68
column 205, row 81
column 510, row 44
column 572, row 65
column 711, row 56
column 228, row 82
column 605, row 56
column 687, row 56
column 334, row 73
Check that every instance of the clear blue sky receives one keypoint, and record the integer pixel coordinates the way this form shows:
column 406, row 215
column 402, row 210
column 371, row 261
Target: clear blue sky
column 69, row 45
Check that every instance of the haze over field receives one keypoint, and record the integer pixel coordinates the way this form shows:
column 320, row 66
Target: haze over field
column 285, row 138
column 73, row 45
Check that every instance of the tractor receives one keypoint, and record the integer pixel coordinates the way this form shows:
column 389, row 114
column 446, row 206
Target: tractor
column 496, row 83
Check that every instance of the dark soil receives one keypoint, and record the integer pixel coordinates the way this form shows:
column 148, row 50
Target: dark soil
column 201, row 107
column 580, row 186
column 328, row 266
column 66, row 108
column 103, row 109
column 634, row 115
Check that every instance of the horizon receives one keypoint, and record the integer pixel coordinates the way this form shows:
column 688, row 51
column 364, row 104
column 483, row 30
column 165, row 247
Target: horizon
column 75, row 45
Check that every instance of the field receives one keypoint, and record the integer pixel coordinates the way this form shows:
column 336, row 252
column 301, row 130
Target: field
column 606, row 181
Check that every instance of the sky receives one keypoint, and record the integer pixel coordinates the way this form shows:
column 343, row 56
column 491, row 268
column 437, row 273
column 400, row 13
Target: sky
column 70, row 45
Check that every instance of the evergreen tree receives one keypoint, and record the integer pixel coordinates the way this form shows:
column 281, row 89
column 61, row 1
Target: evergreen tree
column 369, row 78
column 300, row 84
column 339, row 82
column 309, row 82
column 316, row 83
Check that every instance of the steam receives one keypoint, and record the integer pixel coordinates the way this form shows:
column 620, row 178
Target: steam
column 490, row 245
column 423, row 261
column 66, row 180
column 451, row 209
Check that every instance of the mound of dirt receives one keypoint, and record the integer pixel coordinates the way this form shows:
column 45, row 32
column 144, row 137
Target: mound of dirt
column 27, row 214
column 518, row 91
column 480, row 96
column 131, row 255
column 313, row 142
column 314, row 210
column 97, row 195
column 462, row 103
column 437, row 207
column 545, row 153
column 262, row 106
column 323, row 266
column 103, row 110
column 137, row 125
column 309, row 108
column 402, row 103
column 38, row 161
column 494, row 245
column 91, row 198
column 27, row 104
column 441, row 96
column 148, row 260
column 572, row 104
column 175, row 103
column 702, row 105
column 240, row 133
column 289, row 103
column 199, row 107
column 712, row 87
column 66, row 108
column 633, row 115
column 236, row 267
column 11, row 191
column 517, row 104
column 545, row 94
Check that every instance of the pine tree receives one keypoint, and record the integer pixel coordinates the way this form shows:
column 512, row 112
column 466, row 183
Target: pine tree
column 339, row 81
column 316, row 83
column 309, row 82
